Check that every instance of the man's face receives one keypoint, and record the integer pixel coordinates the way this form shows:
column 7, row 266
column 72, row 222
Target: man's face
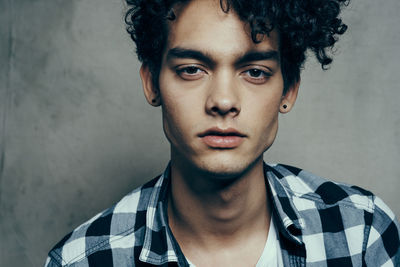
column 220, row 92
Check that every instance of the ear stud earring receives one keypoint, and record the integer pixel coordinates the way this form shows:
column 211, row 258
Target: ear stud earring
column 284, row 106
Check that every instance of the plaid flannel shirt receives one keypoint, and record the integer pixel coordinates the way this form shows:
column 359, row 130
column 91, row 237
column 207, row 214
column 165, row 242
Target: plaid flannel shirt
column 320, row 223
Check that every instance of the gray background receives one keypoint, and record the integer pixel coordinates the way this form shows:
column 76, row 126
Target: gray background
column 77, row 134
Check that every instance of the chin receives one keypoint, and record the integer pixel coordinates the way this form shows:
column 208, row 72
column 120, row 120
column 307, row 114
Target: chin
column 225, row 168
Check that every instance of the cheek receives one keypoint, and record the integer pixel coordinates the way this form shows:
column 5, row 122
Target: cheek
column 170, row 107
column 177, row 117
column 266, row 118
column 267, row 121
column 170, row 120
column 271, row 130
column 181, row 105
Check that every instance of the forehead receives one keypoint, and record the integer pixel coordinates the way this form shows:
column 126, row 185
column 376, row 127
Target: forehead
column 203, row 25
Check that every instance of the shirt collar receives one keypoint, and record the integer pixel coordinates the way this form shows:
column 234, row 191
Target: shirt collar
column 288, row 218
column 160, row 246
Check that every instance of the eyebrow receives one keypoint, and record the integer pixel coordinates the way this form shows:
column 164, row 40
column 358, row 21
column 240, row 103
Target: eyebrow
column 258, row 56
column 179, row 52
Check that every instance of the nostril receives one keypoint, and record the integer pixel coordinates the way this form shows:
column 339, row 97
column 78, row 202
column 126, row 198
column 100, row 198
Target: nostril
column 217, row 110
column 233, row 110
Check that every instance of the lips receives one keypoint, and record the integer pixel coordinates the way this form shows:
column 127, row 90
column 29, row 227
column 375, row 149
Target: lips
column 222, row 138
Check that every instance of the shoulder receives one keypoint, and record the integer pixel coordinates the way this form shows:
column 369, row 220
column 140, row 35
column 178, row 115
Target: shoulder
column 112, row 228
column 301, row 184
column 316, row 197
column 331, row 213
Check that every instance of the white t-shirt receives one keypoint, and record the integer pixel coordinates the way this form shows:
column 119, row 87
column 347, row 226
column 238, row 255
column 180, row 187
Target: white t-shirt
column 271, row 255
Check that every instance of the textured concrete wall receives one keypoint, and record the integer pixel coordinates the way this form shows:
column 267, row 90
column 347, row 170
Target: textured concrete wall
column 76, row 133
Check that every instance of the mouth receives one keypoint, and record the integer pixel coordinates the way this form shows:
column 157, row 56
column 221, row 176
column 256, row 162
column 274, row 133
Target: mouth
column 222, row 138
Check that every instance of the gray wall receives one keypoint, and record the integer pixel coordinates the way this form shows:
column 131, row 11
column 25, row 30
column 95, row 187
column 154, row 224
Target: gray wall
column 76, row 133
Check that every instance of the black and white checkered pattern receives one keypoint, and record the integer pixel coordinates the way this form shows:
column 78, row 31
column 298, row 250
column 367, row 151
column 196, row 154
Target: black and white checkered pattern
column 321, row 223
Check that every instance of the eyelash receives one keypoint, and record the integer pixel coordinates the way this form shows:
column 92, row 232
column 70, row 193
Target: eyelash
column 261, row 77
column 180, row 71
column 183, row 69
column 264, row 73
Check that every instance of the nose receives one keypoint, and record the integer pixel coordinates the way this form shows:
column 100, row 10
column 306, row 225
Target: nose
column 223, row 98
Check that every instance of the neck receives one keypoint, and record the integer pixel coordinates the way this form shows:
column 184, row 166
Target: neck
column 214, row 210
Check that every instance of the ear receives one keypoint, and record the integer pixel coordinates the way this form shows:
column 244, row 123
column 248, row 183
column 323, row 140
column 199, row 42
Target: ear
column 289, row 98
column 151, row 91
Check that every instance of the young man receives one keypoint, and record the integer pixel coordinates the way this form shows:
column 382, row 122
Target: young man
column 222, row 72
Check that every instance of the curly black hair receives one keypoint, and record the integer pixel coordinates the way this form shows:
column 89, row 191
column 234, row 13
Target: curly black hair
column 301, row 25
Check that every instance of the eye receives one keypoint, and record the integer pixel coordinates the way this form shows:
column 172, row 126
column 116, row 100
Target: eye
column 256, row 76
column 190, row 72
